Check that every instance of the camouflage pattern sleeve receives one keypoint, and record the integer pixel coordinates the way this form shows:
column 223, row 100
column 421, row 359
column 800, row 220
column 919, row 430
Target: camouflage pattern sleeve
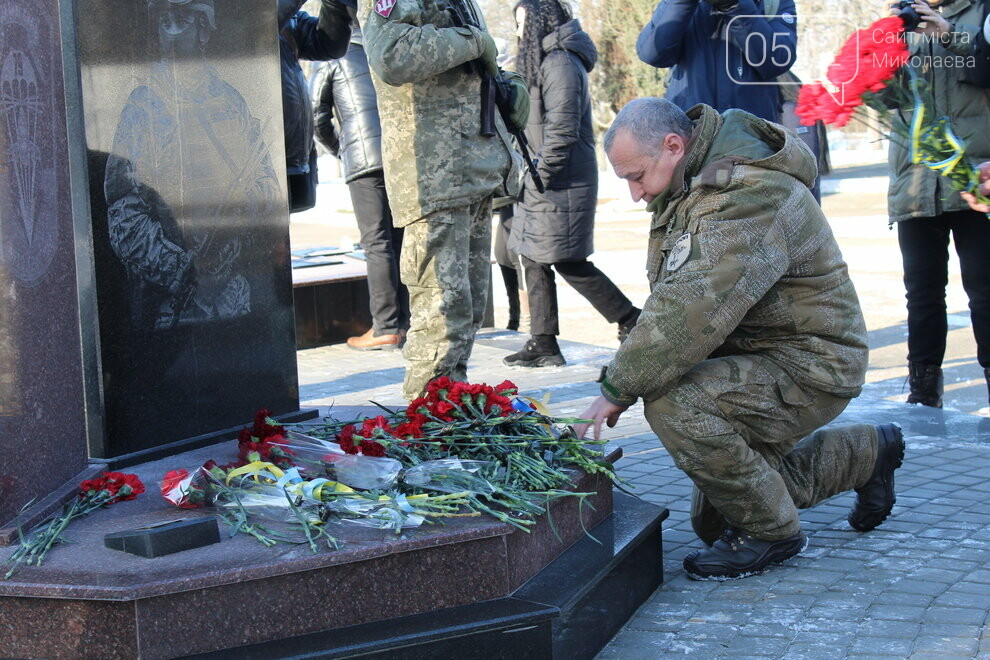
column 403, row 49
column 718, row 262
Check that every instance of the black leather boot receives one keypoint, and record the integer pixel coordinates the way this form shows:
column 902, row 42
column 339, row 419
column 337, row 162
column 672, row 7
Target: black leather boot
column 926, row 384
column 876, row 498
column 986, row 374
column 737, row 554
column 511, row 279
column 540, row 351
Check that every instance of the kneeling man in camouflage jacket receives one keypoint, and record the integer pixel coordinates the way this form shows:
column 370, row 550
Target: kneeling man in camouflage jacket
column 752, row 337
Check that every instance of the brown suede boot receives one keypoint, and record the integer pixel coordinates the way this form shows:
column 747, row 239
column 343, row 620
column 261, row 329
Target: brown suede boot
column 369, row 342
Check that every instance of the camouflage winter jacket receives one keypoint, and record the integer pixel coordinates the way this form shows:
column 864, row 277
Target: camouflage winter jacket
column 429, row 100
column 741, row 260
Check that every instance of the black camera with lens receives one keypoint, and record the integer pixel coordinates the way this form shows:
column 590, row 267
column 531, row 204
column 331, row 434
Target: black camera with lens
column 908, row 15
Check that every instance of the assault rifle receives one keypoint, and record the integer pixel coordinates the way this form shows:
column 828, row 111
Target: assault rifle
column 495, row 92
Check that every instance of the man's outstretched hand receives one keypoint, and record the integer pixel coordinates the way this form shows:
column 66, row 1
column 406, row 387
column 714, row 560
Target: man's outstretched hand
column 601, row 409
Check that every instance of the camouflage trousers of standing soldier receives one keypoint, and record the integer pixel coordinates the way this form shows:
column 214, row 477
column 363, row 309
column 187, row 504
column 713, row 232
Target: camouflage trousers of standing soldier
column 739, row 427
column 445, row 264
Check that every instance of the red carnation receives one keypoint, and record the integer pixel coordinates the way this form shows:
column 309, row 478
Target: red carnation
column 372, row 448
column 371, row 424
column 420, row 406
column 506, row 387
column 260, row 421
column 443, row 409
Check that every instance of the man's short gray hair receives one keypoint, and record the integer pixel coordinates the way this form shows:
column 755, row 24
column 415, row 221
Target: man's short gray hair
column 649, row 120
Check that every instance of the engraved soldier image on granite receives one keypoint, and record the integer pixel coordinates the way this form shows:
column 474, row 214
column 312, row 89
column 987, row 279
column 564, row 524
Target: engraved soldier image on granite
column 186, row 126
column 194, row 220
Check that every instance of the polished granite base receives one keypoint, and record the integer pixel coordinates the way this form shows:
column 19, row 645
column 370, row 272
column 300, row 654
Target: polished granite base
column 568, row 611
column 239, row 593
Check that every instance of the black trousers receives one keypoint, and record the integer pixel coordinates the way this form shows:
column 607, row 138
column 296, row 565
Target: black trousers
column 924, row 244
column 382, row 244
column 586, row 279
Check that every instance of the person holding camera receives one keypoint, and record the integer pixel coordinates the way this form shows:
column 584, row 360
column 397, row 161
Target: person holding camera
column 723, row 53
column 441, row 170
column 554, row 229
column 941, row 39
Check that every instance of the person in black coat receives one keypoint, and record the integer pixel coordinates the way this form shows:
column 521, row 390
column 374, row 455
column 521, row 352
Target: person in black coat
column 348, row 125
column 302, row 36
column 554, row 230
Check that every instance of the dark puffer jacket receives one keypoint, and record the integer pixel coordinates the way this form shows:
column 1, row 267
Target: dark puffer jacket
column 347, row 121
column 306, row 37
column 559, row 224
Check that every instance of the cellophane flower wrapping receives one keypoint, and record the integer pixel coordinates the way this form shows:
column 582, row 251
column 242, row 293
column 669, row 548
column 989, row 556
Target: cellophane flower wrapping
column 461, row 450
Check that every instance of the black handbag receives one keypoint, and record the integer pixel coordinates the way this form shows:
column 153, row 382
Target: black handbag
column 302, row 187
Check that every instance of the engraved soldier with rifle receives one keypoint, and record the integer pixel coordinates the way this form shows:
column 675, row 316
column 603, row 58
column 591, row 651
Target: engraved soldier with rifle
column 441, row 169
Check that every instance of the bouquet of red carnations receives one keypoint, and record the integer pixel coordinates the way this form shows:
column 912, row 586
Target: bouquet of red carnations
column 93, row 494
column 870, row 71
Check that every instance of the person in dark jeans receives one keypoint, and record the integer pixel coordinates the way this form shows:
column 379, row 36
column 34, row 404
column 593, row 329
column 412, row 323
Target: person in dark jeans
column 347, row 123
column 554, row 230
column 508, row 264
column 924, row 244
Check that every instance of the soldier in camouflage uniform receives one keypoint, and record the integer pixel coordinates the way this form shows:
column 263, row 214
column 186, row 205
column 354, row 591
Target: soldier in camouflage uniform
column 440, row 172
column 751, row 339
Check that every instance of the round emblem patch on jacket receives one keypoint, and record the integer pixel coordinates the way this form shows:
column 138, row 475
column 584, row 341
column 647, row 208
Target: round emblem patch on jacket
column 680, row 252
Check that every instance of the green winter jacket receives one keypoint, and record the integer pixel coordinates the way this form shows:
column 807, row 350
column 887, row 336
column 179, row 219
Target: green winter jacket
column 741, row 260
column 429, row 100
column 916, row 191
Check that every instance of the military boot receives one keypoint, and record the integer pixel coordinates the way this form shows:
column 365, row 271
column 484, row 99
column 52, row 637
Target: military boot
column 737, row 555
column 926, row 384
column 540, row 351
column 875, row 499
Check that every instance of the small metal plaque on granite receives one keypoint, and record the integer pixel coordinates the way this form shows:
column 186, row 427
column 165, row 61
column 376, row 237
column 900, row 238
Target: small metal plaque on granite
column 164, row 539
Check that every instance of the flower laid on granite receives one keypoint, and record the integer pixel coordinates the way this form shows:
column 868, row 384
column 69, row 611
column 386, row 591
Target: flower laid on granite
column 869, row 72
column 109, row 488
column 460, row 450
column 258, row 442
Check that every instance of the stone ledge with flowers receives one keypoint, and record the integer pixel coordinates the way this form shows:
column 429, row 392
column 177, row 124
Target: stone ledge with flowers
column 361, row 553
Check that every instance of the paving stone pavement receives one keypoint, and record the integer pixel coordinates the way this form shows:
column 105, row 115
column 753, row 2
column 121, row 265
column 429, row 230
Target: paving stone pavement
column 916, row 587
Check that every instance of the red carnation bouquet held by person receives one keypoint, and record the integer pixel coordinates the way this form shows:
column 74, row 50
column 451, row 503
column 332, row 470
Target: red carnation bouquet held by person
column 863, row 74
column 93, row 494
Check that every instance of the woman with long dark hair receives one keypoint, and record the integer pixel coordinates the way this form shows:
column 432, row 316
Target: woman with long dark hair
column 554, row 230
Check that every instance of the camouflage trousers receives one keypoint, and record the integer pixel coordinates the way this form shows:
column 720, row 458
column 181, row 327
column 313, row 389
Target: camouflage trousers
column 738, row 426
column 445, row 264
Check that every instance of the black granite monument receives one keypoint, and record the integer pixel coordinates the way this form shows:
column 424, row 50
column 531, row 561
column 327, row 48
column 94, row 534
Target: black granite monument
column 182, row 107
column 145, row 286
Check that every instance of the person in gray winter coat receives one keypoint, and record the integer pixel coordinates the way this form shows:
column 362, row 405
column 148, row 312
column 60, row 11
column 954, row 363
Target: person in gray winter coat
column 348, row 124
column 554, row 230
